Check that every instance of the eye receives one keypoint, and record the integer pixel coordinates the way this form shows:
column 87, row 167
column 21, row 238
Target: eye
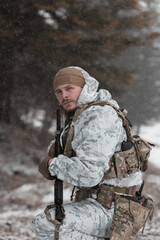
column 69, row 88
column 58, row 91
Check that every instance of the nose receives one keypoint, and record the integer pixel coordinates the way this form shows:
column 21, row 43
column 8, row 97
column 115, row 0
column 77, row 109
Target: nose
column 64, row 94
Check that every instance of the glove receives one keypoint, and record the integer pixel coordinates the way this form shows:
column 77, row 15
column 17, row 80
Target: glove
column 43, row 166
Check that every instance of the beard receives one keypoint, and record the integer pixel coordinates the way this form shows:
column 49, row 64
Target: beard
column 70, row 113
column 69, row 105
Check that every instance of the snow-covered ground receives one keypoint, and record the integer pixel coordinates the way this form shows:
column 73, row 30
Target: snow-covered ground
column 152, row 135
column 23, row 197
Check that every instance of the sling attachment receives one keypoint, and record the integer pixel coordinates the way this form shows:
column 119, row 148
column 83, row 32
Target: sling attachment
column 56, row 231
column 56, row 223
column 68, row 151
column 72, row 194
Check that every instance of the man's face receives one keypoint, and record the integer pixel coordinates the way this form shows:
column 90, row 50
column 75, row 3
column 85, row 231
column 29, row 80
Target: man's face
column 67, row 95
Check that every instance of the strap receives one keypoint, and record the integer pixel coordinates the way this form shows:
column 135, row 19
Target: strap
column 124, row 190
column 73, row 190
column 56, row 231
column 68, row 147
column 56, row 223
column 104, row 194
column 47, row 212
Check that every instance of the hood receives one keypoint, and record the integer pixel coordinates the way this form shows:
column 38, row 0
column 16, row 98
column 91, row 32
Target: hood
column 90, row 91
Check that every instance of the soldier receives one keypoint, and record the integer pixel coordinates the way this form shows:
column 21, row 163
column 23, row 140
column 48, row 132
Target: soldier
column 103, row 188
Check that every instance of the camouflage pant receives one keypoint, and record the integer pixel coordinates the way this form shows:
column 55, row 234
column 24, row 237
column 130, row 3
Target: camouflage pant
column 85, row 220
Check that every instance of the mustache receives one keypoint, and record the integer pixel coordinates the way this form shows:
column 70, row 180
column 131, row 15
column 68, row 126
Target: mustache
column 67, row 101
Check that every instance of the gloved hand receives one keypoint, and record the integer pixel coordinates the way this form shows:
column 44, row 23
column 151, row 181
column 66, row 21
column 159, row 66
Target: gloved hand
column 43, row 166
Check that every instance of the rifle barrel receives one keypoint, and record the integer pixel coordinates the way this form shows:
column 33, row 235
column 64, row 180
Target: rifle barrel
column 58, row 186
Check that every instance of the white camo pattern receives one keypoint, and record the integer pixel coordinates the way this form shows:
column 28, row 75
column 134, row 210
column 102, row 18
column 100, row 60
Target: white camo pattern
column 98, row 133
column 85, row 220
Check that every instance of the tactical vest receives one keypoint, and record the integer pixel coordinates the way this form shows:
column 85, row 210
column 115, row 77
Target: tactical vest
column 134, row 152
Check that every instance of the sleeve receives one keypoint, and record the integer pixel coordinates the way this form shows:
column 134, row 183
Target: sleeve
column 43, row 166
column 97, row 133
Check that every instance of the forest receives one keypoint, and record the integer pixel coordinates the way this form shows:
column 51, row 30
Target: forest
column 40, row 37
column 117, row 42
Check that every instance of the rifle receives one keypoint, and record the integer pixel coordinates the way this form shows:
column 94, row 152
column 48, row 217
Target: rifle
column 58, row 186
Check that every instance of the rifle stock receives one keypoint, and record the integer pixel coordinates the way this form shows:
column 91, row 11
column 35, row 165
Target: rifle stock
column 58, row 187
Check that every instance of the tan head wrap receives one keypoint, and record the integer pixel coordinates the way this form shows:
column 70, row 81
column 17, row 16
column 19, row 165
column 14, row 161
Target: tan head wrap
column 68, row 76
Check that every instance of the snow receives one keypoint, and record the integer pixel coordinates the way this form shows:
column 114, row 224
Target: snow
column 152, row 135
column 34, row 117
column 49, row 197
column 48, row 19
column 52, row 128
column 19, row 204
column 153, row 178
column 143, row 5
column 44, row 14
column 61, row 12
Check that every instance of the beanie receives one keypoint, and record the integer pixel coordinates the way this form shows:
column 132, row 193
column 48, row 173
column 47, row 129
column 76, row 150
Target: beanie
column 68, row 76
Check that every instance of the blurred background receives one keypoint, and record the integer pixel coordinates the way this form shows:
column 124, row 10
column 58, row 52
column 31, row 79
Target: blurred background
column 117, row 42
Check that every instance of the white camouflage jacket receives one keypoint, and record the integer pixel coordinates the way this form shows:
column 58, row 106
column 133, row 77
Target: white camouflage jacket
column 98, row 134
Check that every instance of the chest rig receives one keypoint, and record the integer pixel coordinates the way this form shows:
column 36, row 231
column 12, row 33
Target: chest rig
column 132, row 157
column 134, row 152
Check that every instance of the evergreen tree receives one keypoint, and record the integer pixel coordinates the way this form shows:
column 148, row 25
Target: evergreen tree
column 40, row 37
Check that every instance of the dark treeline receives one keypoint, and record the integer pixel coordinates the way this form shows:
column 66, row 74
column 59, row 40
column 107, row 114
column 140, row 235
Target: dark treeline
column 40, row 37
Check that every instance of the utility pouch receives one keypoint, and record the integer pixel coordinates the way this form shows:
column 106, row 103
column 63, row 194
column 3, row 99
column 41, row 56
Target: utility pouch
column 105, row 195
column 130, row 216
column 125, row 162
column 147, row 201
column 143, row 151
